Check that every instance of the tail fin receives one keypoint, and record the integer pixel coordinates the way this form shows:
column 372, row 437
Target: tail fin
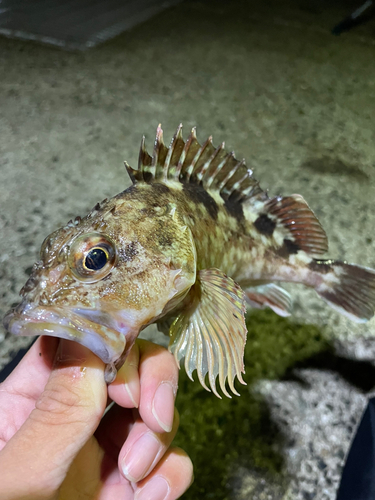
column 348, row 288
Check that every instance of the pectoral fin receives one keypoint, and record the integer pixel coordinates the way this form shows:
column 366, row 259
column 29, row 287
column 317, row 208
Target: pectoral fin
column 210, row 332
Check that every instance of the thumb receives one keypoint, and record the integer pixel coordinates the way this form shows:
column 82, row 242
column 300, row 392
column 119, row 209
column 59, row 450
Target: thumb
column 65, row 417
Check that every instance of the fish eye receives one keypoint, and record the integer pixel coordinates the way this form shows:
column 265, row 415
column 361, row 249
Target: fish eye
column 96, row 259
column 91, row 257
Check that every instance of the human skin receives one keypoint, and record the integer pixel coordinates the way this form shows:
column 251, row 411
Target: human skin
column 56, row 444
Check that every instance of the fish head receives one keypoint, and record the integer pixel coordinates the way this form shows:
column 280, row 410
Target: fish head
column 100, row 280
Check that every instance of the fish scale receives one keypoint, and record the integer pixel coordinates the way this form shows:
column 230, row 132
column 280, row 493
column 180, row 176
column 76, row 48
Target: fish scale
column 190, row 245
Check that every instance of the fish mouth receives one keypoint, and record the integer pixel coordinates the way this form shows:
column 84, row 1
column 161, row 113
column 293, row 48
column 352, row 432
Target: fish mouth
column 91, row 328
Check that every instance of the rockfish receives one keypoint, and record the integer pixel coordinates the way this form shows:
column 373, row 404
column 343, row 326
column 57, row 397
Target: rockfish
column 189, row 245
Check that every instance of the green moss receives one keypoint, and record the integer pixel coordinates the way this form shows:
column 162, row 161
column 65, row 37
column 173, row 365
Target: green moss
column 221, row 435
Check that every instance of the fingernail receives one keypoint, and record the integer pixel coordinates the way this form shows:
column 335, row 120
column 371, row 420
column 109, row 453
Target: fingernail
column 156, row 489
column 140, row 457
column 163, row 406
column 69, row 350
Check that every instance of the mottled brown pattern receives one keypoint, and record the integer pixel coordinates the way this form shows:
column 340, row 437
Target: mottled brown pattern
column 288, row 248
column 265, row 225
column 200, row 197
column 128, row 252
column 146, row 223
column 235, row 209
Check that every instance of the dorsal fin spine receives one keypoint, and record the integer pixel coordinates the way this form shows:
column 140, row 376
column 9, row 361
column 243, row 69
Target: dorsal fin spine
column 208, row 179
column 184, row 152
column 141, row 159
column 190, row 168
column 131, row 172
column 172, row 147
column 144, row 162
column 155, row 157
column 253, row 191
column 237, row 184
column 220, row 168
column 240, row 186
column 185, row 170
column 230, row 174
column 190, row 162
column 199, row 154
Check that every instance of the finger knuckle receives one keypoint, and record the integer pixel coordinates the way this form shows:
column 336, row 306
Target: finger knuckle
column 59, row 401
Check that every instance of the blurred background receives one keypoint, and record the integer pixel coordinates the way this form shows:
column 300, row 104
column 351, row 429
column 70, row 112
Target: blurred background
column 298, row 103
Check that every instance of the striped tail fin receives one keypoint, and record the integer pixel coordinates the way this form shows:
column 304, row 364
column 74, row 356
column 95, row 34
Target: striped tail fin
column 348, row 288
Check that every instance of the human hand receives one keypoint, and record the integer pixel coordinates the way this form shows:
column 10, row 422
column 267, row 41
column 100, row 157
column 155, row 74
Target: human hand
column 55, row 444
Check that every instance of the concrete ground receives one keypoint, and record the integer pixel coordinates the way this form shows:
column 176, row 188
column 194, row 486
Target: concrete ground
column 270, row 80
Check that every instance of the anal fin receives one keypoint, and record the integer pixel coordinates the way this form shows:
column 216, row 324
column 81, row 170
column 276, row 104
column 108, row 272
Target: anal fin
column 210, row 333
column 269, row 295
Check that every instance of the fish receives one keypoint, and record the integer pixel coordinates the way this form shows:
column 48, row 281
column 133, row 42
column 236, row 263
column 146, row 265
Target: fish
column 189, row 246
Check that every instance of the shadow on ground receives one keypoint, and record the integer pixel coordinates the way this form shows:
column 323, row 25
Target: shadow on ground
column 335, row 166
column 229, row 435
column 359, row 374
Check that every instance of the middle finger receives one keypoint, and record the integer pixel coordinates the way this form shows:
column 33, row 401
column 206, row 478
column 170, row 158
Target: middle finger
column 143, row 449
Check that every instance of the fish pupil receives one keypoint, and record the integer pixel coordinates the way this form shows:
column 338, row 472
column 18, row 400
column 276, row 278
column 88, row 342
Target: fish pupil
column 96, row 259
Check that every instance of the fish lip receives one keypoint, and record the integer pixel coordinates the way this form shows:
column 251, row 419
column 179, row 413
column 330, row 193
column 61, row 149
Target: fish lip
column 102, row 339
column 95, row 316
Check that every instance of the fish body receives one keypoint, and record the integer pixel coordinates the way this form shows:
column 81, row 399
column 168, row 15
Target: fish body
column 189, row 245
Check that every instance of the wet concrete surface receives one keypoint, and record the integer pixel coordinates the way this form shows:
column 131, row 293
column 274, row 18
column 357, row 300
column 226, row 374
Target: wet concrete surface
column 295, row 101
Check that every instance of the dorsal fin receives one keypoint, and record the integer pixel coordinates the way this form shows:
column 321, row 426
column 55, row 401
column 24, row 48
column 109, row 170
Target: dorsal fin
column 190, row 162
